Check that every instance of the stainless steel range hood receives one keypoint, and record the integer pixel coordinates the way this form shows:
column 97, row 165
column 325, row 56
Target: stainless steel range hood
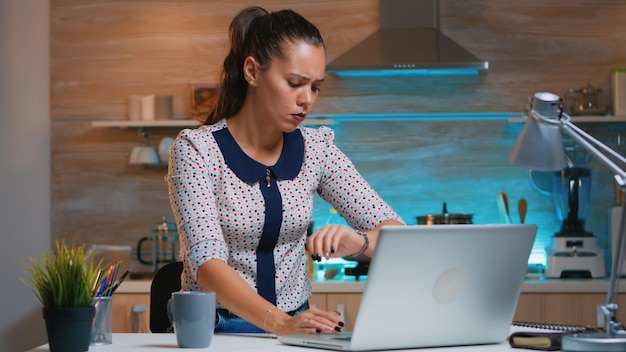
column 408, row 43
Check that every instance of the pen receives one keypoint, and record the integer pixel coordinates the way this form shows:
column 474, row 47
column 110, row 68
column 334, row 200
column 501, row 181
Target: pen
column 109, row 278
column 111, row 289
column 115, row 270
column 102, row 286
column 95, row 283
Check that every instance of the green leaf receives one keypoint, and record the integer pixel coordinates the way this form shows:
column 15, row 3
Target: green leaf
column 64, row 277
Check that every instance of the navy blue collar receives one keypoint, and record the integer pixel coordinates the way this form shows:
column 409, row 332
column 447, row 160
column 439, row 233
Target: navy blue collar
column 250, row 170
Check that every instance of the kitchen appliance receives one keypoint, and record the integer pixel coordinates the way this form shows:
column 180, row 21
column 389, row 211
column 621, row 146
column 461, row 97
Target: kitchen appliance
column 408, row 43
column 161, row 247
column 573, row 253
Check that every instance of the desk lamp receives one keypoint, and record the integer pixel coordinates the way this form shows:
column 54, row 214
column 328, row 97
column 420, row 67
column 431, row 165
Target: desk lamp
column 540, row 147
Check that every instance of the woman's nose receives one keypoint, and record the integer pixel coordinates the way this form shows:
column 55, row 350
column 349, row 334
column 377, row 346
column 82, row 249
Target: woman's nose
column 306, row 98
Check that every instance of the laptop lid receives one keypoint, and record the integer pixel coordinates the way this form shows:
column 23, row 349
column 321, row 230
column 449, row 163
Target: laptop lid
column 440, row 285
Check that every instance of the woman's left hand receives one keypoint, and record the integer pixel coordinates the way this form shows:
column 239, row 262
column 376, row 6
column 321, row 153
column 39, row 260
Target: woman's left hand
column 334, row 241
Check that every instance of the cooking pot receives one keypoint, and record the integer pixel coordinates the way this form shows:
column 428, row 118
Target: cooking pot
column 445, row 218
column 163, row 245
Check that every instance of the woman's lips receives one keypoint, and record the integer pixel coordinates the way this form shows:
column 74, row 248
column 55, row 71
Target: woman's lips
column 299, row 117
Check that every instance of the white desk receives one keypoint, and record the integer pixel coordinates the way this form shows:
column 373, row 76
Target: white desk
column 167, row 343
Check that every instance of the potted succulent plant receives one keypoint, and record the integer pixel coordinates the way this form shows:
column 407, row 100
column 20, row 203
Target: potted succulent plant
column 63, row 281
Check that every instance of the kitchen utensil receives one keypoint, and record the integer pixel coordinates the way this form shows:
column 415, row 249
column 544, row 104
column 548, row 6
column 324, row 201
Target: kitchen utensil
column 522, row 207
column 164, row 245
column 445, row 218
column 503, row 207
column 505, row 198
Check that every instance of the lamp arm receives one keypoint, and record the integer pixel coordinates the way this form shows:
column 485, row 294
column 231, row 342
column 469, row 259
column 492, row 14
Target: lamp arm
column 600, row 151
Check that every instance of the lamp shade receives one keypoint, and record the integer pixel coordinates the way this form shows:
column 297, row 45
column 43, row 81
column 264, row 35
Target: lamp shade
column 540, row 144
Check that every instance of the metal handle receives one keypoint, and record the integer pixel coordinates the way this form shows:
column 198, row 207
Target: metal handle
column 139, row 258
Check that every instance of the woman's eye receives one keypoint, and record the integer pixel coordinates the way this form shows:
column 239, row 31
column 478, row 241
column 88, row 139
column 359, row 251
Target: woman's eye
column 298, row 84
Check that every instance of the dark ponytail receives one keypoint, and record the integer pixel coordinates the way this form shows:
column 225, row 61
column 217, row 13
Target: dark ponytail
column 262, row 35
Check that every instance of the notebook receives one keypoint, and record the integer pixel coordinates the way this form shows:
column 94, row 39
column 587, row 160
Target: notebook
column 433, row 286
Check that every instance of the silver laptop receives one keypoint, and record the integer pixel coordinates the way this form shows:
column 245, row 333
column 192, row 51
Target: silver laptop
column 441, row 285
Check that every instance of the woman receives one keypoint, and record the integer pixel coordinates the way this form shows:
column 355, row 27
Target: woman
column 241, row 186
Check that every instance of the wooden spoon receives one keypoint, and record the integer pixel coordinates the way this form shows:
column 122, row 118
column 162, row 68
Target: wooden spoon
column 522, row 207
column 503, row 207
column 506, row 202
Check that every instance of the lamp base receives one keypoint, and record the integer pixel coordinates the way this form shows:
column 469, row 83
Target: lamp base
column 593, row 342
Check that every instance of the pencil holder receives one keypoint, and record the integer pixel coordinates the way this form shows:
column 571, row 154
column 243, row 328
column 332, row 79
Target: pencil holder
column 102, row 328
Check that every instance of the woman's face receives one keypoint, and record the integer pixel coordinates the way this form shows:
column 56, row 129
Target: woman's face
column 286, row 92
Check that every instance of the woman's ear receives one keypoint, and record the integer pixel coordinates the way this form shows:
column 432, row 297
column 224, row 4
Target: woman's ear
column 250, row 70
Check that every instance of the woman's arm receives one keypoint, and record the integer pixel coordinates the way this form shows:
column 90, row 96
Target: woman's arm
column 341, row 241
column 239, row 298
column 355, row 200
column 233, row 292
column 372, row 236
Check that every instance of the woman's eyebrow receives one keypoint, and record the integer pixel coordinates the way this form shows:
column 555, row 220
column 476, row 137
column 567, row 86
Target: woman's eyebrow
column 306, row 78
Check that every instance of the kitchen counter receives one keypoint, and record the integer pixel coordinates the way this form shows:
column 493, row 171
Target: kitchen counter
column 350, row 285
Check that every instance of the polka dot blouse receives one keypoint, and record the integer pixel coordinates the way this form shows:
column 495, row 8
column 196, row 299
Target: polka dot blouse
column 216, row 196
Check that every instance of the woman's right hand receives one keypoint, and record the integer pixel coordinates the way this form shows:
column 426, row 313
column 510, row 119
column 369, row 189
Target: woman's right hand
column 334, row 241
column 311, row 321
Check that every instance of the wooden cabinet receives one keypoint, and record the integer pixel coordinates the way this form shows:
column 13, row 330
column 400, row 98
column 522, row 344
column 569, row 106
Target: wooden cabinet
column 556, row 308
column 131, row 312
column 564, row 308
column 318, row 300
column 550, row 304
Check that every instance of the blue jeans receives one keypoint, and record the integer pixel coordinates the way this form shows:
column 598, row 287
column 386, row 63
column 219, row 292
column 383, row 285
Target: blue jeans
column 227, row 322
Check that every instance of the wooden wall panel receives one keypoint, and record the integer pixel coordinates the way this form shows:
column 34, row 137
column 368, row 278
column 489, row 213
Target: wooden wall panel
column 103, row 51
column 97, row 196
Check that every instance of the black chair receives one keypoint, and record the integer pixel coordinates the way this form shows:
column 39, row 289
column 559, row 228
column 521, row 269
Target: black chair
column 165, row 281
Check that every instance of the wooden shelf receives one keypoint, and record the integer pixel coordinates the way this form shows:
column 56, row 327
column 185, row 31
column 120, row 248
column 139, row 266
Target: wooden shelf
column 175, row 123
column 183, row 123
column 142, row 123
column 585, row 119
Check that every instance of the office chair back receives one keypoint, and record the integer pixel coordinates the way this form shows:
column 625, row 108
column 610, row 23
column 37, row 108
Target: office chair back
column 165, row 281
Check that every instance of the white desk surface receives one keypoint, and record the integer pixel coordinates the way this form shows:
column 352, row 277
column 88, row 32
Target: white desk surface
column 167, row 343
column 350, row 285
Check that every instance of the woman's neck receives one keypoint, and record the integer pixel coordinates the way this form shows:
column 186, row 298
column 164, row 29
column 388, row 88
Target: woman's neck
column 255, row 138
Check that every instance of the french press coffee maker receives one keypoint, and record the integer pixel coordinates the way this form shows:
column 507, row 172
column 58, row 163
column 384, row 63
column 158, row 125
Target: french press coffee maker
column 163, row 245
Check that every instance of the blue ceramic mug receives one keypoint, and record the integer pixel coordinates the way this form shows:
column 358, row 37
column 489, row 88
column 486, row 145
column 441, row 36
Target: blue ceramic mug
column 192, row 314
